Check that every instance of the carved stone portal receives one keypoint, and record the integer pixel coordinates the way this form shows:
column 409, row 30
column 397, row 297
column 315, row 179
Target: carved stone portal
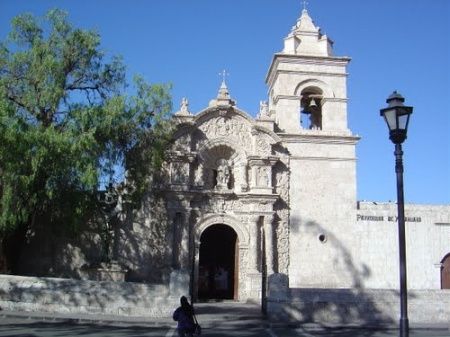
column 231, row 176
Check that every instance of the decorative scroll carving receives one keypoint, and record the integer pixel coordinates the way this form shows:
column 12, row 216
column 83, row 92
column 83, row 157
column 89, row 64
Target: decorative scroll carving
column 263, row 147
column 243, row 269
column 281, row 184
column 282, row 178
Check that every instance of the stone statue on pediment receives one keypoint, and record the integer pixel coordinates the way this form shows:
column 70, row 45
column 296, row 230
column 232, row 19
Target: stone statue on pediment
column 223, row 174
column 263, row 110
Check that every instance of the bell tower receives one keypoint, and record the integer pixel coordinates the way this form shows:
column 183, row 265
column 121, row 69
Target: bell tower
column 308, row 101
column 307, row 84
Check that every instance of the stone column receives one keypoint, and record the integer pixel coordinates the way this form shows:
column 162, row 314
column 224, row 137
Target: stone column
column 241, row 177
column 268, row 236
column 198, row 175
column 254, row 170
column 254, row 276
column 254, row 240
column 193, row 254
column 184, row 244
column 196, row 253
column 173, row 238
column 269, row 176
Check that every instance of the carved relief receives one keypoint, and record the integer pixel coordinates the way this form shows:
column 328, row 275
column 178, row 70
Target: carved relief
column 281, row 178
column 281, row 184
column 217, row 205
column 236, row 128
column 243, row 268
column 262, row 176
column 282, row 246
column 183, row 143
column 179, row 173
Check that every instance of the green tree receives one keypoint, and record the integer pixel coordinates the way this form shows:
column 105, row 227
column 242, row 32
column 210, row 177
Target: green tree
column 69, row 126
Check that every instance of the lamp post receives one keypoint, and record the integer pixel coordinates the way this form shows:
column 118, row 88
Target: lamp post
column 396, row 116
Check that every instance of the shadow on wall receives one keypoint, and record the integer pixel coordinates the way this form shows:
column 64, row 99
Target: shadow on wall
column 140, row 248
column 49, row 254
column 144, row 243
column 331, row 305
column 341, row 255
column 78, row 296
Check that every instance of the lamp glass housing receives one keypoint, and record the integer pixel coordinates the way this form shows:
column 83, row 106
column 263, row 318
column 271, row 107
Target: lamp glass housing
column 396, row 116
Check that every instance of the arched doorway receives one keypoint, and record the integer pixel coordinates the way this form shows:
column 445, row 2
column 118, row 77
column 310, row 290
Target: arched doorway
column 218, row 263
column 445, row 272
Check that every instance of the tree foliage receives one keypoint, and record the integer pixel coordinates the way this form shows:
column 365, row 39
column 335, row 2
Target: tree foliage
column 69, row 126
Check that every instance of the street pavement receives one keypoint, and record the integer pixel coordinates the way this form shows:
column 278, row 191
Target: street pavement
column 217, row 320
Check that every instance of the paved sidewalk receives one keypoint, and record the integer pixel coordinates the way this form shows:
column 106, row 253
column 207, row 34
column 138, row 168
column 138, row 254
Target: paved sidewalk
column 207, row 313
column 211, row 316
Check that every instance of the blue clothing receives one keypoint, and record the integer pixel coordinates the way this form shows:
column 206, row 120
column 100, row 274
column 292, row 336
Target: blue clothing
column 185, row 319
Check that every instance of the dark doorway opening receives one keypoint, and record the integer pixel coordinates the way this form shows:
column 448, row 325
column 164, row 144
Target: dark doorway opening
column 218, row 270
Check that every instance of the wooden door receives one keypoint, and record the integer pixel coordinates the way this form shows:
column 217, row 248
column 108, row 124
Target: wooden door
column 445, row 273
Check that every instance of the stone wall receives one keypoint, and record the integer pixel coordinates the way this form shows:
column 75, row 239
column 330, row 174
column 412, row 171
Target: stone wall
column 374, row 244
column 142, row 248
column 67, row 296
column 358, row 306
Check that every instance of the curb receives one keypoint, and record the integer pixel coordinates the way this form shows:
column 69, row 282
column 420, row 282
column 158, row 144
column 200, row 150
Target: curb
column 88, row 318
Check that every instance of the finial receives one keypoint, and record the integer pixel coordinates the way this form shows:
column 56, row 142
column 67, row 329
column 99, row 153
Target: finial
column 263, row 110
column 224, row 74
column 184, row 104
column 223, row 97
column 184, row 108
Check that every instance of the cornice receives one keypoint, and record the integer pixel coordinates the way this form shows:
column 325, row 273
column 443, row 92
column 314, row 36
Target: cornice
column 311, row 158
column 251, row 197
column 296, row 98
column 305, row 59
column 319, row 138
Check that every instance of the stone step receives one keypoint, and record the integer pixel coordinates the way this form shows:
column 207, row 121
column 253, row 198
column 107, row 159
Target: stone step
column 228, row 312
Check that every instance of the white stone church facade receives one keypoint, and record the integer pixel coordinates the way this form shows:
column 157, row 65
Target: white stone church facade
column 284, row 184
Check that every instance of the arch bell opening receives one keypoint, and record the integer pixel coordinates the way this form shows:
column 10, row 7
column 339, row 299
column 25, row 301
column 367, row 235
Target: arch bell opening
column 311, row 108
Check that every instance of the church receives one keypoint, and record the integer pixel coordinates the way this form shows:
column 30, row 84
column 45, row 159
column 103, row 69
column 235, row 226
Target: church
column 264, row 210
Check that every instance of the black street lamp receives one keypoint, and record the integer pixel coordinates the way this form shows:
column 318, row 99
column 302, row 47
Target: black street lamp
column 396, row 116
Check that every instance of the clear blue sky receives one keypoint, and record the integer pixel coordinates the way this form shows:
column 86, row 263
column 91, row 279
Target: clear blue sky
column 394, row 45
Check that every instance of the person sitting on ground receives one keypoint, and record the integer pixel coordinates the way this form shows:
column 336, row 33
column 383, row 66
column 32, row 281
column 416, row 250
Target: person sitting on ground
column 184, row 315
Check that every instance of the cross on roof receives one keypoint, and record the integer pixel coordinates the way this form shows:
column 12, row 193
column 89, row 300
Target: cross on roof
column 304, row 4
column 224, row 74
